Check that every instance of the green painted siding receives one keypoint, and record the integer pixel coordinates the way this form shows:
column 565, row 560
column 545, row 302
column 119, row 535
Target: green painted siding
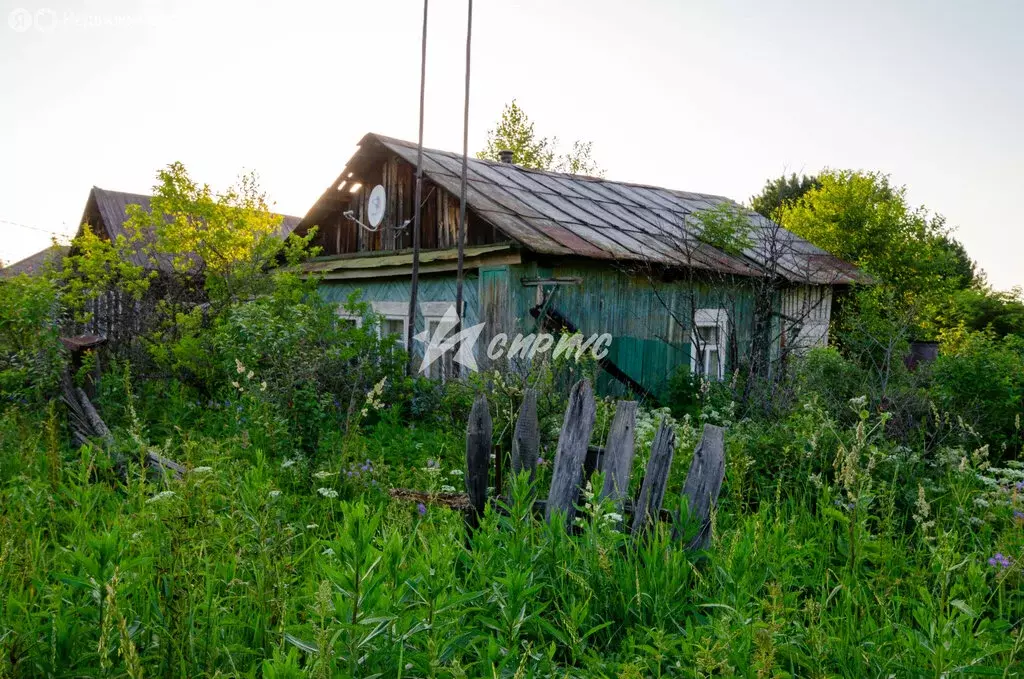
column 648, row 343
column 432, row 288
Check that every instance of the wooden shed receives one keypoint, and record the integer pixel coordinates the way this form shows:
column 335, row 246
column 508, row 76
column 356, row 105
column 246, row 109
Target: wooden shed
column 589, row 254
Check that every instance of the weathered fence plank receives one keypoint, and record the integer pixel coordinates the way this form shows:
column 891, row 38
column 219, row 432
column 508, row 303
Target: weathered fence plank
column 572, row 450
column 478, row 457
column 618, row 452
column 526, row 438
column 652, row 492
column 703, row 483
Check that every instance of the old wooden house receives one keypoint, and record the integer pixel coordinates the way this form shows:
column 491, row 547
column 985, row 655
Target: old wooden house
column 546, row 250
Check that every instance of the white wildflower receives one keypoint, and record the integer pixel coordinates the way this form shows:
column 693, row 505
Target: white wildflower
column 311, row 526
column 275, row 493
column 456, row 472
column 202, row 470
column 235, row 384
column 239, row 367
column 324, row 474
column 288, row 462
column 328, row 552
column 161, row 496
column 249, row 376
column 328, row 492
column 263, row 386
column 447, row 489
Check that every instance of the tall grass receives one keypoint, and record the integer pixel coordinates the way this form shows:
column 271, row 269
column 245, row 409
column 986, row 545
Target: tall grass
column 301, row 565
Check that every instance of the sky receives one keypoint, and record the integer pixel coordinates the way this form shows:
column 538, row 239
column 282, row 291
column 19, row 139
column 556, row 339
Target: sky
column 707, row 96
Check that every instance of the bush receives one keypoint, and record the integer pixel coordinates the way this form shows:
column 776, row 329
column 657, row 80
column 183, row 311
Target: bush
column 981, row 380
column 31, row 356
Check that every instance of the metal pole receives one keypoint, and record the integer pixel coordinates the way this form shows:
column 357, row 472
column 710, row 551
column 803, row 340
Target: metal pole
column 465, row 165
column 414, row 287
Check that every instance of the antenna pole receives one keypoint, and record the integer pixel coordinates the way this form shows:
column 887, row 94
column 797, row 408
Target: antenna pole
column 414, row 283
column 465, row 165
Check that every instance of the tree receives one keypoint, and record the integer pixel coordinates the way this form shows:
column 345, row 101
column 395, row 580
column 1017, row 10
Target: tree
column 861, row 218
column 515, row 132
column 780, row 192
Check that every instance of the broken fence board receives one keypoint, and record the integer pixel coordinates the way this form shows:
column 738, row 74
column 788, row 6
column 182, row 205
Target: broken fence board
column 526, row 438
column 572, row 451
column 703, row 484
column 478, row 458
column 652, row 492
column 618, row 452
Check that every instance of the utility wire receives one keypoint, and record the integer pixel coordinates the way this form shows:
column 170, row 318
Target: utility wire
column 465, row 165
column 34, row 228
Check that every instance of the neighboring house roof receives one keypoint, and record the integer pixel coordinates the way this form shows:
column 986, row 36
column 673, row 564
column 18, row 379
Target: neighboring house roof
column 562, row 214
column 111, row 208
column 37, row 263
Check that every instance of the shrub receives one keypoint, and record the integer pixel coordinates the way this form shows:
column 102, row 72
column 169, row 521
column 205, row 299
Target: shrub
column 31, row 356
column 981, row 380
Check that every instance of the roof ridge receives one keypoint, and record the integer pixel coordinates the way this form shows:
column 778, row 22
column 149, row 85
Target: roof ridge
column 567, row 175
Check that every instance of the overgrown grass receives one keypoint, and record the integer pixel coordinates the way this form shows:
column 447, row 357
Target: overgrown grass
column 834, row 554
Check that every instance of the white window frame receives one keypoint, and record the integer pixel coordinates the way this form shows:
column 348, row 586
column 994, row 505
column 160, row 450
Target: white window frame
column 435, row 311
column 393, row 311
column 709, row 318
column 342, row 312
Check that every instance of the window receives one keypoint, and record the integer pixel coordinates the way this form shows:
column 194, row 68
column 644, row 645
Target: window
column 394, row 326
column 709, row 340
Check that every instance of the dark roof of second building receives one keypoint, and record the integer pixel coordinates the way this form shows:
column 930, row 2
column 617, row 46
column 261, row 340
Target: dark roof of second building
column 112, row 206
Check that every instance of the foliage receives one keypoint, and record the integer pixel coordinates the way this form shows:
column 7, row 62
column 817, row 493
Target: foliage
column 515, row 132
column 781, row 191
column 725, row 227
column 31, row 357
column 861, row 218
column 294, row 567
column 980, row 378
column 981, row 308
column 94, row 266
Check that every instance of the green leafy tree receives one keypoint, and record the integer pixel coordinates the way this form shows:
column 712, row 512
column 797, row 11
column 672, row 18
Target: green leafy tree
column 780, row 192
column 863, row 219
column 515, row 132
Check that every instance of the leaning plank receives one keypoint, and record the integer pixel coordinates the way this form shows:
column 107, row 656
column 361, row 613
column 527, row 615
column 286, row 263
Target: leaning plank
column 652, row 491
column 572, row 451
column 526, row 438
column 703, row 483
column 478, row 457
column 618, row 453
column 93, row 418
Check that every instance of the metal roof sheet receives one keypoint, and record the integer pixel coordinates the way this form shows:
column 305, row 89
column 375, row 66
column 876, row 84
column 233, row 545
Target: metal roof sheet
column 562, row 214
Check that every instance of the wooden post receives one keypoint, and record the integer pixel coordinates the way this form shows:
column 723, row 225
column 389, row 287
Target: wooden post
column 572, row 450
column 618, row 453
column 652, row 492
column 526, row 438
column 478, row 457
column 703, row 483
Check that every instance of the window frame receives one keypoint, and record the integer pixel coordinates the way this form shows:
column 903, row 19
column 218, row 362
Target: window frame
column 709, row 318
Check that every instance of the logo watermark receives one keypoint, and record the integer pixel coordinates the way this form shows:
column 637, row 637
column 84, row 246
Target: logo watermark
column 48, row 20
column 438, row 343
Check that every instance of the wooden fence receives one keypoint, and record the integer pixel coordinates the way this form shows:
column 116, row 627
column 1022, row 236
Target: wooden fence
column 576, row 461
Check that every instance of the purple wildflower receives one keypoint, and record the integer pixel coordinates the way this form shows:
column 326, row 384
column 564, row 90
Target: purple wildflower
column 1018, row 515
column 422, row 509
column 999, row 561
column 1019, row 486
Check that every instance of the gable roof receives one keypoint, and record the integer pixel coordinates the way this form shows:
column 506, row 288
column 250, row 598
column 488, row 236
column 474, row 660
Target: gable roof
column 563, row 214
column 111, row 207
column 36, row 263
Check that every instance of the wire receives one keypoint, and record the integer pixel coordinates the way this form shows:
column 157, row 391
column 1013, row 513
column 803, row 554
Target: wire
column 34, row 228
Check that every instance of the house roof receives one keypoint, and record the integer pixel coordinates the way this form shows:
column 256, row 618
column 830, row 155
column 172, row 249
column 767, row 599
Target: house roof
column 36, row 263
column 562, row 214
column 111, row 206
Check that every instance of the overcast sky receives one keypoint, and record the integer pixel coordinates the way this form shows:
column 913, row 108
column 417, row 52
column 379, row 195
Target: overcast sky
column 703, row 96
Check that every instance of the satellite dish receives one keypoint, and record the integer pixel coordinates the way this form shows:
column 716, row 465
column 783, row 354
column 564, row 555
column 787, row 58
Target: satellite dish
column 375, row 206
